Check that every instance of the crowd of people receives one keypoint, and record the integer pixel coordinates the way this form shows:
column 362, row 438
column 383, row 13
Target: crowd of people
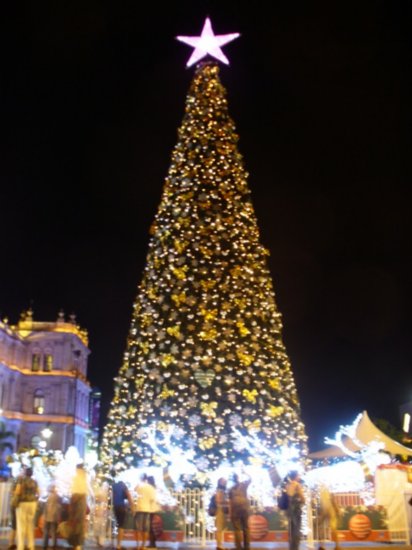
column 24, row 504
column 69, row 522
column 234, row 505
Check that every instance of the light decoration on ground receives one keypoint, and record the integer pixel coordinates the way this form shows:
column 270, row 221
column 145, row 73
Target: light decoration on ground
column 53, row 466
column 355, row 471
column 177, row 466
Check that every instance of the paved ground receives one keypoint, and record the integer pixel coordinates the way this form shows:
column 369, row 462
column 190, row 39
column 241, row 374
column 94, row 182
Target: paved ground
column 254, row 546
column 130, row 545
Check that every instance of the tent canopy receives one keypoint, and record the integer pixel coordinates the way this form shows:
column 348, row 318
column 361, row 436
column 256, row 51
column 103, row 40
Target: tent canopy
column 366, row 432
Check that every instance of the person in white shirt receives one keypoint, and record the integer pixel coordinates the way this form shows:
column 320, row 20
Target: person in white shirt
column 145, row 504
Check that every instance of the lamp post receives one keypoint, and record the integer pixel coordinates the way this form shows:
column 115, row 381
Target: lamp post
column 46, row 434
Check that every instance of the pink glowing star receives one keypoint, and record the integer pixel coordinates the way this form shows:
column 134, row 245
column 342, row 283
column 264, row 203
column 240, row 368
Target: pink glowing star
column 207, row 43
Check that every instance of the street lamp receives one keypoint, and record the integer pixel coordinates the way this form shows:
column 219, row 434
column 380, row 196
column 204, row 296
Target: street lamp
column 46, row 432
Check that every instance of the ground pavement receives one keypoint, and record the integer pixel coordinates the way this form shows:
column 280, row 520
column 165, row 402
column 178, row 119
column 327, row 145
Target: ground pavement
column 131, row 545
column 90, row 545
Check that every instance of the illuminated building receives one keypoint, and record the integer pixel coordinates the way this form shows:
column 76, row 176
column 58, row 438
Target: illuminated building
column 44, row 392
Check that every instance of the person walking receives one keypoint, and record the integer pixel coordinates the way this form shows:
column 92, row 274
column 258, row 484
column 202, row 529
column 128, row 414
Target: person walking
column 27, row 494
column 122, row 502
column 145, row 503
column 296, row 500
column 52, row 514
column 239, row 512
column 221, row 511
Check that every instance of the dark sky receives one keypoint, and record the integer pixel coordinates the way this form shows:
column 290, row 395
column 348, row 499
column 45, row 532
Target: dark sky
column 91, row 96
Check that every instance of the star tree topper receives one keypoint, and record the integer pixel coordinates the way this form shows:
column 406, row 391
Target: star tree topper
column 207, row 43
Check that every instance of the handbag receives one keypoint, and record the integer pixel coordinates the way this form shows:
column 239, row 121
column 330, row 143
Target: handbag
column 64, row 529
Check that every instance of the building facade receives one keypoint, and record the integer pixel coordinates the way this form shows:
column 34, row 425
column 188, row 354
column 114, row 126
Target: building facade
column 44, row 391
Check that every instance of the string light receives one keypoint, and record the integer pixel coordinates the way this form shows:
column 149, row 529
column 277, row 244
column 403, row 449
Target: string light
column 205, row 352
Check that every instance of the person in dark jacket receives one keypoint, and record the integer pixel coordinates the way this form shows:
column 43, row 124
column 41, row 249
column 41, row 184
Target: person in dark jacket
column 122, row 501
column 239, row 510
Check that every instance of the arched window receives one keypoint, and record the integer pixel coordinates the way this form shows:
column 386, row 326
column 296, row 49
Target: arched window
column 35, row 362
column 38, row 402
column 47, row 362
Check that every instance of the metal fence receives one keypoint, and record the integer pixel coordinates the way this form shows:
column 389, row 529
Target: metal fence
column 198, row 526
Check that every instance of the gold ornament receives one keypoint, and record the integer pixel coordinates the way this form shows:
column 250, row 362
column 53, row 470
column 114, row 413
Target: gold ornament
column 274, row 383
column 208, row 314
column 244, row 358
column 151, row 292
column 253, row 425
column 162, row 426
column 243, row 331
column 207, row 285
column 236, row 271
column 208, row 409
column 208, row 334
column 167, row 358
column 146, row 320
column 174, row 331
column 179, row 298
column 207, row 443
column 274, row 411
column 250, row 395
column 180, row 272
column 144, row 346
column 165, row 393
column 180, row 246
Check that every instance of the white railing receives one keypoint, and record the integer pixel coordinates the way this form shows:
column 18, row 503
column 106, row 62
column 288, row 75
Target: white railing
column 195, row 516
column 199, row 527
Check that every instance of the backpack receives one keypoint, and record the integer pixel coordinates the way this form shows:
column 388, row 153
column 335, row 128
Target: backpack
column 283, row 500
column 212, row 509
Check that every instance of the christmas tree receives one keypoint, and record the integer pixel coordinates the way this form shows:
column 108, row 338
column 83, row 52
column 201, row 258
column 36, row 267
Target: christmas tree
column 205, row 375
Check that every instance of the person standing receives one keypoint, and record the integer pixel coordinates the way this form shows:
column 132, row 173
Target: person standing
column 52, row 513
column 121, row 497
column 145, row 503
column 221, row 511
column 155, row 508
column 329, row 514
column 239, row 512
column 27, row 493
column 80, row 490
column 296, row 501
column 13, row 514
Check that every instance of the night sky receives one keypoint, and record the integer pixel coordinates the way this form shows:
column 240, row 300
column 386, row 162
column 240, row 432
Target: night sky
column 91, row 96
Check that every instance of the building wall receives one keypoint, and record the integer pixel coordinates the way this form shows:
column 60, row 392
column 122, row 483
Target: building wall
column 43, row 383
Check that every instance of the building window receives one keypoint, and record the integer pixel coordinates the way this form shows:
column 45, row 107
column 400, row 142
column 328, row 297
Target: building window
column 35, row 362
column 38, row 404
column 47, row 362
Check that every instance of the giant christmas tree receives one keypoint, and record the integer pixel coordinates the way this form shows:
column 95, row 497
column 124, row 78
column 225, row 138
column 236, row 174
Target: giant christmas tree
column 205, row 373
